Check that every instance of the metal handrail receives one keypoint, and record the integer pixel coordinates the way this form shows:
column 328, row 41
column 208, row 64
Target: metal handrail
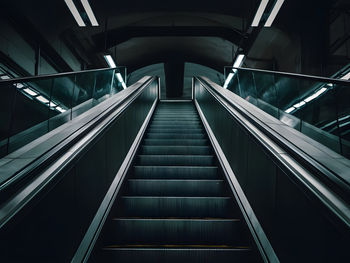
column 334, row 201
column 296, row 75
column 56, row 75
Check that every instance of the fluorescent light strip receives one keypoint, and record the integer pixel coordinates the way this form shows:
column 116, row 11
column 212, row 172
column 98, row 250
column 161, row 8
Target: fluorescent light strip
column 73, row 9
column 299, row 104
column 274, row 13
column 89, row 12
column 52, row 104
column 42, row 99
column 4, row 77
column 346, row 77
column 228, row 80
column 259, row 13
column 237, row 64
column 239, row 61
column 289, row 110
column 19, row 85
column 124, row 85
column 110, row 61
column 60, row 109
column 315, row 95
column 120, row 78
column 30, row 92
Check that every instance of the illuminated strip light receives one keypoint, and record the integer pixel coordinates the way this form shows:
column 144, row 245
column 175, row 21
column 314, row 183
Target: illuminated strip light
column 346, row 77
column 4, row 77
column 259, row 13
column 89, row 12
column 237, row 64
column 42, row 99
column 60, row 109
column 120, row 78
column 314, row 96
column 52, row 104
column 19, row 85
column 73, row 9
column 30, row 92
column 274, row 13
column 289, row 110
column 110, row 61
column 308, row 99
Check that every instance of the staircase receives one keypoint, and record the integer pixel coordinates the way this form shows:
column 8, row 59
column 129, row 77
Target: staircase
column 175, row 205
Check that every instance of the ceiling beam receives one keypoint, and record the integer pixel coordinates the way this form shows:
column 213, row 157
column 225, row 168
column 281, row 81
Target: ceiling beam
column 120, row 35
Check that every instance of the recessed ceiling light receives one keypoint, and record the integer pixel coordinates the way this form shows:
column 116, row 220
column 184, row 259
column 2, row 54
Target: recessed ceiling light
column 60, row 109
column 239, row 61
column 89, row 12
column 274, row 13
column 4, row 77
column 73, row 9
column 346, row 77
column 259, row 13
column 110, row 61
column 289, row 110
column 30, row 92
column 42, row 99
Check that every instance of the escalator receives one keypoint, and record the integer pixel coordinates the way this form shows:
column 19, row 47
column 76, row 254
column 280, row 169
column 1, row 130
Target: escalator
column 133, row 178
column 175, row 205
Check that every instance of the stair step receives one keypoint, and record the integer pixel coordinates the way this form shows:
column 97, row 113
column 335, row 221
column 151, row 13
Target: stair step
column 182, row 160
column 176, row 255
column 179, row 142
column 192, row 207
column 175, row 122
column 176, row 150
column 175, row 136
column 175, row 172
column 176, row 130
column 175, row 231
column 158, row 187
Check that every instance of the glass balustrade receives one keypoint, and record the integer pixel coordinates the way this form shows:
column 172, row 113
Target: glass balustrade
column 317, row 107
column 31, row 107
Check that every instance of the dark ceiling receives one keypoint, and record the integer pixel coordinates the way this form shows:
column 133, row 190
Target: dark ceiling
column 139, row 33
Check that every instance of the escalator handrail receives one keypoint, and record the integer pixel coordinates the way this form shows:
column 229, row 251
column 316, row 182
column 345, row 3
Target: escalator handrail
column 62, row 154
column 296, row 75
column 56, row 75
column 297, row 163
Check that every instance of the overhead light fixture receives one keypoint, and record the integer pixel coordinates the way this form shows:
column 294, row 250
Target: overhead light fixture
column 60, row 109
column 52, row 104
column 120, row 78
column 259, row 13
column 346, row 77
column 89, row 12
column 42, row 99
column 73, row 9
column 299, row 104
column 239, row 61
column 237, row 64
column 30, row 92
column 289, row 110
column 315, row 95
column 19, row 85
column 110, row 61
column 4, row 77
column 274, row 12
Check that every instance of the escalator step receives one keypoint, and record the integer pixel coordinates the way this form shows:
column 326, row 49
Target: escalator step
column 176, row 130
column 175, row 136
column 182, row 160
column 176, row 255
column 133, row 231
column 157, row 187
column 192, row 207
column 180, row 142
column 175, row 172
column 175, row 150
